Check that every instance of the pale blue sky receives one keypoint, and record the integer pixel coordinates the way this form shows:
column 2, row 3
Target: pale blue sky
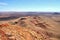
column 30, row 5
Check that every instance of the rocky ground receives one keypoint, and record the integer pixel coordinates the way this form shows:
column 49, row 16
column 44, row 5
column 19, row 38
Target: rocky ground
column 30, row 28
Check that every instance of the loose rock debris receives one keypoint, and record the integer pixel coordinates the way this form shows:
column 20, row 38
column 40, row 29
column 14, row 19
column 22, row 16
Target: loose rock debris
column 26, row 29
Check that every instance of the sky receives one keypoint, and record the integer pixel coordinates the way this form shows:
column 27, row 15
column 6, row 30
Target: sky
column 30, row 5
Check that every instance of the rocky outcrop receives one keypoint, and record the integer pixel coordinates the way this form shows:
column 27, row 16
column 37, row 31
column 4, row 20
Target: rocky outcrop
column 29, row 28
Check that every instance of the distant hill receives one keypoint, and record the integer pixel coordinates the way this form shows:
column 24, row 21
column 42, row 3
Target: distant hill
column 24, row 13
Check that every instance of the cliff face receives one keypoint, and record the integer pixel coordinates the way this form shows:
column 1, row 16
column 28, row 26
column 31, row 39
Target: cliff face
column 30, row 28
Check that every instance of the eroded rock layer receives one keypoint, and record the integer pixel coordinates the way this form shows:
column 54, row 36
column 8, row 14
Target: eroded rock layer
column 29, row 28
